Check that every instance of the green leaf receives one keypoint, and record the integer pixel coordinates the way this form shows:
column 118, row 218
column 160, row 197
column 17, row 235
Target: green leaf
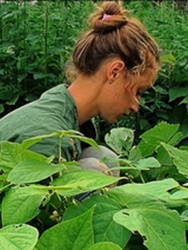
column 160, row 90
column 164, row 158
column 31, row 141
column 5, row 94
column 180, row 194
column 16, row 237
column 74, row 234
column 177, row 92
column 159, row 227
column 2, row 108
column 10, row 155
column 134, row 154
column 105, row 246
column 105, row 229
column 120, row 140
column 63, row 133
column 30, row 171
column 170, row 59
column 151, row 139
column 14, row 153
column 179, row 158
column 82, row 181
column 3, row 187
column 134, row 195
column 13, row 100
column 21, row 204
column 147, row 163
column 89, row 141
column 39, row 75
column 185, row 100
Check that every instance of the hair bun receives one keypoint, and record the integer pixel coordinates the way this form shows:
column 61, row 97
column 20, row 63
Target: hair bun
column 109, row 16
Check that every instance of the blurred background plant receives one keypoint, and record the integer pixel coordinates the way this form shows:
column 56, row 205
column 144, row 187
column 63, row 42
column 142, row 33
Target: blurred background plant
column 37, row 37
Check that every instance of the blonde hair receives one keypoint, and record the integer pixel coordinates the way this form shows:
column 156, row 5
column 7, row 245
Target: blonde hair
column 113, row 32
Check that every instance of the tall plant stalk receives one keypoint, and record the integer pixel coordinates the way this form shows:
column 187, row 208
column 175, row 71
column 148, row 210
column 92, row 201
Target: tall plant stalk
column 46, row 40
column 1, row 25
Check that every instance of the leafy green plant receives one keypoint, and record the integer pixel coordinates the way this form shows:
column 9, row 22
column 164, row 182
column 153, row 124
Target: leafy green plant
column 47, row 205
column 42, row 204
column 37, row 39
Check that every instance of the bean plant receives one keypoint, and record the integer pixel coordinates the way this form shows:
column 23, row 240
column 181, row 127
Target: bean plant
column 37, row 38
column 47, row 205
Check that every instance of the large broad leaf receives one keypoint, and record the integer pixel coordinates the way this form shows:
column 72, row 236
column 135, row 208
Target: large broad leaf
column 82, row 181
column 74, row 234
column 105, row 229
column 151, row 139
column 21, row 204
column 135, row 195
column 10, row 155
column 179, row 158
column 120, row 140
column 163, row 157
column 3, row 186
column 180, row 194
column 64, row 133
column 177, row 92
column 16, row 237
column 30, row 171
column 159, row 227
column 105, row 246
column 13, row 153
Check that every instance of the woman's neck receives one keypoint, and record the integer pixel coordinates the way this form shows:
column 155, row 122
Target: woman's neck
column 85, row 92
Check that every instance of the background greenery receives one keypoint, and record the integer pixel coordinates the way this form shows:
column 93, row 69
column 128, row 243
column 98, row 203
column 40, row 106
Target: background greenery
column 36, row 40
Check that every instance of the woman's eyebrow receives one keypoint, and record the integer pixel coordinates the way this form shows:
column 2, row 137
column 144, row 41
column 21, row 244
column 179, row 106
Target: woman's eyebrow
column 145, row 88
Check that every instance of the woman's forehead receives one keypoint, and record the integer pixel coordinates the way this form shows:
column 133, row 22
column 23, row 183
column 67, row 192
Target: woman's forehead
column 151, row 76
column 147, row 80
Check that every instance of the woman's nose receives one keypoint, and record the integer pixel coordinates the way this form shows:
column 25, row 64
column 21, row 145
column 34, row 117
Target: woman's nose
column 134, row 107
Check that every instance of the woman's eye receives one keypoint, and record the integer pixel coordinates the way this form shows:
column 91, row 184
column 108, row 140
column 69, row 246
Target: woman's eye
column 139, row 94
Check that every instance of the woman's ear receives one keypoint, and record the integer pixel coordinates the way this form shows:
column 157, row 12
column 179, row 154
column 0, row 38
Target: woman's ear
column 116, row 66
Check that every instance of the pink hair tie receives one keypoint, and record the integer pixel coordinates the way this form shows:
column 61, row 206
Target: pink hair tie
column 105, row 17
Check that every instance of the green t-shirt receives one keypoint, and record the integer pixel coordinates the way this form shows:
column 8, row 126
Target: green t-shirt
column 55, row 110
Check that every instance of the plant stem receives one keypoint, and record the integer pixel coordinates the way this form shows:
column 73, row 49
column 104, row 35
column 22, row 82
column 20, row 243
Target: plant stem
column 46, row 40
column 141, row 177
column 1, row 27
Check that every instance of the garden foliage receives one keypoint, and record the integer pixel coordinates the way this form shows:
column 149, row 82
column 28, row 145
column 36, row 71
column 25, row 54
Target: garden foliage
column 47, row 205
column 36, row 41
column 50, row 206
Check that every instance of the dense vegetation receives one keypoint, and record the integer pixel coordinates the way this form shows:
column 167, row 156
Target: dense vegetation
column 148, row 208
column 37, row 39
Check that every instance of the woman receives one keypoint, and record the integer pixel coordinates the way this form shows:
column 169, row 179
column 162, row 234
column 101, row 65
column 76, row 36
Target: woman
column 114, row 62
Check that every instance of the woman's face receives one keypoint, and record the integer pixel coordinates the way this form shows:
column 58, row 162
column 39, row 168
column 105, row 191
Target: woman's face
column 124, row 96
